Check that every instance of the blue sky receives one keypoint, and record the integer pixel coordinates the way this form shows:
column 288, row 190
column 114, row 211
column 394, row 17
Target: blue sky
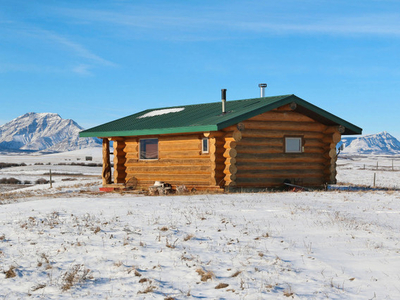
column 96, row 61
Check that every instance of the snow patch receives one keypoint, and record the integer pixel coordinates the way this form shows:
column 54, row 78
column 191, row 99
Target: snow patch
column 160, row 112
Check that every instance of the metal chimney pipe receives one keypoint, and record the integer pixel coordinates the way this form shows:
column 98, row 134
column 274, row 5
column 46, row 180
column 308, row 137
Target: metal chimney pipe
column 223, row 98
column 262, row 86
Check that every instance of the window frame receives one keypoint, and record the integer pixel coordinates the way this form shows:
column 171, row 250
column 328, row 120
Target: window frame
column 207, row 143
column 140, row 149
column 300, row 138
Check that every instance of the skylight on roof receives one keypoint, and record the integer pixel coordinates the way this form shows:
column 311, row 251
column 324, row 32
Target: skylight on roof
column 160, row 112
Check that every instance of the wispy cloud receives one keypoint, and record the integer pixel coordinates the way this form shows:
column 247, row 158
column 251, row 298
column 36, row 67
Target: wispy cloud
column 74, row 47
column 82, row 69
column 371, row 24
column 48, row 40
column 211, row 22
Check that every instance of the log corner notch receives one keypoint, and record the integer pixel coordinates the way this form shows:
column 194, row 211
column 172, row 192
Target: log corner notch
column 230, row 141
column 106, row 173
column 332, row 137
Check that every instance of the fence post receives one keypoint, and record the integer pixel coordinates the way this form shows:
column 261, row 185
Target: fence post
column 374, row 179
column 51, row 182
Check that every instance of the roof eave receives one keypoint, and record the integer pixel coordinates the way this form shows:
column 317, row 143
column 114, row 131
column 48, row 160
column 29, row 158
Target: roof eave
column 187, row 129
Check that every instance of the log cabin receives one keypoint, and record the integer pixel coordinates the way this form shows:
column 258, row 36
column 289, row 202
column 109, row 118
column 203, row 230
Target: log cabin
column 253, row 143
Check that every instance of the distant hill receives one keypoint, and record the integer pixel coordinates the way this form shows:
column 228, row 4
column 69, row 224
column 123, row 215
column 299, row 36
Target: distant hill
column 43, row 132
column 378, row 144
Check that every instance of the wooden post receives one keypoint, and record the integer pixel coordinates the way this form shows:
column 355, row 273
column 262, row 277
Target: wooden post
column 106, row 174
column 374, row 179
column 51, row 182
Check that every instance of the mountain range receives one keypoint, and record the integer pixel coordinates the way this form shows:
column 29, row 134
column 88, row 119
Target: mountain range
column 46, row 132
column 381, row 143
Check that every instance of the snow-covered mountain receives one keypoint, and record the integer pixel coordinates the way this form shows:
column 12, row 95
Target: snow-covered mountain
column 43, row 131
column 379, row 144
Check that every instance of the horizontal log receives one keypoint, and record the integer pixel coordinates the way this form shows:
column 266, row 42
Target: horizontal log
column 201, row 160
column 278, row 142
column 180, row 146
column 213, row 134
column 243, row 166
column 258, row 149
column 284, row 108
column 175, row 178
column 261, row 141
column 302, row 173
column 287, row 126
column 229, row 128
column 175, row 138
column 254, row 133
column 274, row 182
column 281, row 116
column 332, row 129
column 281, row 157
column 169, row 170
column 180, row 154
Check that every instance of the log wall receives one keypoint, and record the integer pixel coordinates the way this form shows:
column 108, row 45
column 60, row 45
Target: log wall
column 180, row 162
column 249, row 154
column 261, row 160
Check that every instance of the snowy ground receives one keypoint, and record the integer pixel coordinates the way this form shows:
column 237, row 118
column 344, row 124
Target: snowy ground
column 72, row 242
column 361, row 170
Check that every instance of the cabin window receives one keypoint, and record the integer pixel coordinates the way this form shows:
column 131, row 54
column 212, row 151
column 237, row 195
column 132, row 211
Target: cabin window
column 205, row 146
column 293, row 144
column 148, row 149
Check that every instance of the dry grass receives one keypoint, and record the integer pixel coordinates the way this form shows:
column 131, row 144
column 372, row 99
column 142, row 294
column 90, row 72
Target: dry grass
column 38, row 287
column 205, row 275
column 221, row 286
column 236, row 274
column 188, row 237
column 77, row 274
column 10, row 273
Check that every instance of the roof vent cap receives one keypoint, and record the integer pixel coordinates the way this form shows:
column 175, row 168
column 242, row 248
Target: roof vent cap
column 262, row 87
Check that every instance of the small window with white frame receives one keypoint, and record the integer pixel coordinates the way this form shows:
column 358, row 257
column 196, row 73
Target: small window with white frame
column 205, row 145
column 148, row 149
column 293, row 144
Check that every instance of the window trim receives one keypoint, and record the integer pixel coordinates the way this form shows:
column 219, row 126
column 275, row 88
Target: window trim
column 140, row 150
column 208, row 145
column 301, row 150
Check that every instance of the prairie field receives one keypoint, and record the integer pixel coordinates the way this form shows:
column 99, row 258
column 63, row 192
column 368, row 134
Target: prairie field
column 72, row 242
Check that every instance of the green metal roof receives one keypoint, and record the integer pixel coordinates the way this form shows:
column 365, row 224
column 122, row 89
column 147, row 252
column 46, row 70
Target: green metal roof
column 208, row 117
